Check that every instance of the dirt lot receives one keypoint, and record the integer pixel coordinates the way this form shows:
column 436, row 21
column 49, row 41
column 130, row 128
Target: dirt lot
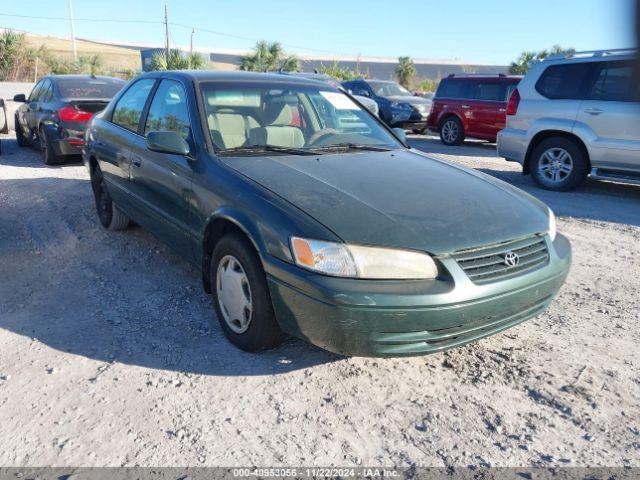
column 106, row 356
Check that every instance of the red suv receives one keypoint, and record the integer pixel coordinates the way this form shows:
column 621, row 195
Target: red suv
column 471, row 106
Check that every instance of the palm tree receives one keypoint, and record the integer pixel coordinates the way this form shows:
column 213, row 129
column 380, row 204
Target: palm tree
column 268, row 57
column 176, row 60
column 405, row 71
column 524, row 61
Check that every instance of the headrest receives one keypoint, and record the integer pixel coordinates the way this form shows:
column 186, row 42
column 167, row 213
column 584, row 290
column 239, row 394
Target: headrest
column 278, row 111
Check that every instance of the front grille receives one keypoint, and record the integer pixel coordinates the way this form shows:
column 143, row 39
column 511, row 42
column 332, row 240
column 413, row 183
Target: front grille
column 488, row 264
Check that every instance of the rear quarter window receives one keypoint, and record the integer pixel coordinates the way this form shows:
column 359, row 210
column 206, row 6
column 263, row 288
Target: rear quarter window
column 567, row 81
column 450, row 88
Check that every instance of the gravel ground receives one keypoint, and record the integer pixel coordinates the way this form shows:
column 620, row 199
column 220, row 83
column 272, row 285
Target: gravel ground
column 107, row 359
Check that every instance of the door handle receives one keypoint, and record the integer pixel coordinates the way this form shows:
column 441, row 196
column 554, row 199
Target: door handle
column 593, row 111
column 136, row 161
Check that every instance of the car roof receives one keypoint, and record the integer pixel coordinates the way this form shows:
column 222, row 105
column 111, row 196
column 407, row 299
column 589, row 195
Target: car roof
column 201, row 76
column 484, row 77
column 82, row 77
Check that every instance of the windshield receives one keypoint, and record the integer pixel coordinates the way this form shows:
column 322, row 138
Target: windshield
column 389, row 89
column 289, row 119
column 89, row 88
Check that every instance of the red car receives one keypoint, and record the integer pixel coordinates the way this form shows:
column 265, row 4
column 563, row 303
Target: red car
column 471, row 106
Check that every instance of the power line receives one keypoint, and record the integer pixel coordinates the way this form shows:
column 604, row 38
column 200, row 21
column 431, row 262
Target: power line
column 161, row 22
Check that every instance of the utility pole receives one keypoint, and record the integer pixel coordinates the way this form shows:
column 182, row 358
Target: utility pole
column 73, row 34
column 166, row 32
column 193, row 30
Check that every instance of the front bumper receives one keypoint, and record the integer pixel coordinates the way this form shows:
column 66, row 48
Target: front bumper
column 513, row 144
column 400, row 318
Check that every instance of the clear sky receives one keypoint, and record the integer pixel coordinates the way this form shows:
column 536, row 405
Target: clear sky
column 483, row 31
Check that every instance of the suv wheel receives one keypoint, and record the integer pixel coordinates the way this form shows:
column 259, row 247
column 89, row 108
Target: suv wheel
column 558, row 163
column 241, row 296
column 451, row 132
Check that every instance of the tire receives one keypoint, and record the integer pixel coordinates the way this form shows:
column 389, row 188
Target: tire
column 48, row 155
column 251, row 328
column 559, row 164
column 22, row 142
column 419, row 131
column 110, row 216
column 452, row 132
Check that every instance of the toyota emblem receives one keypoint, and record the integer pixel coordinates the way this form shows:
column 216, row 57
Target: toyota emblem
column 511, row 259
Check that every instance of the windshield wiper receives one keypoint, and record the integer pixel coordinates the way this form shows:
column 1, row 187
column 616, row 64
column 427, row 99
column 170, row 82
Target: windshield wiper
column 353, row 146
column 258, row 149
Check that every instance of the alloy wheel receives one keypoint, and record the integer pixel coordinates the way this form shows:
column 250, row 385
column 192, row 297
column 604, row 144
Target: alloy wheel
column 234, row 294
column 555, row 165
column 450, row 131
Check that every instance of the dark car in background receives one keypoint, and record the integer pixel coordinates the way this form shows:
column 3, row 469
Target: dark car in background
column 331, row 231
column 471, row 106
column 398, row 107
column 55, row 115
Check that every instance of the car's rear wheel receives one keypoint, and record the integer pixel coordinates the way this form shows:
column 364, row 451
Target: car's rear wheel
column 46, row 151
column 419, row 131
column 20, row 138
column 241, row 296
column 110, row 216
column 558, row 163
column 452, row 132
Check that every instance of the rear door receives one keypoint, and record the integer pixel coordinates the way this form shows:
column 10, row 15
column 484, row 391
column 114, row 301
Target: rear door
column 453, row 94
column 611, row 114
column 482, row 109
column 161, row 182
column 113, row 146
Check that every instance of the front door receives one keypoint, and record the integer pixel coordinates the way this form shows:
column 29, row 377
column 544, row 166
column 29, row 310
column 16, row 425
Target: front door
column 161, row 182
column 611, row 115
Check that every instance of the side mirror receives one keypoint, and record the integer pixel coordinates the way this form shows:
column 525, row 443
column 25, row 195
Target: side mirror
column 364, row 93
column 401, row 134
column 20, row 98
column 167, row 142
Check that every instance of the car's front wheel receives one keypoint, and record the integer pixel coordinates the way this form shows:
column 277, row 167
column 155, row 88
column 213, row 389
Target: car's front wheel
column 110, row 216
column 558, row 163
column 452, row 132
column 241, row 296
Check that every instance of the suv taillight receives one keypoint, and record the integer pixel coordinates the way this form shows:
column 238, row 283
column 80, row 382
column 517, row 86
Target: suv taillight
column 72, row 114
column 514, row 101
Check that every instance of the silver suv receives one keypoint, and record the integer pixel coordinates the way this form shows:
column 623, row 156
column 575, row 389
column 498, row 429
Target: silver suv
column 575, row 115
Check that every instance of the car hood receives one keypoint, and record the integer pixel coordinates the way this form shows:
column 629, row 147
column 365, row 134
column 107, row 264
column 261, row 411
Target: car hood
column 399, row 199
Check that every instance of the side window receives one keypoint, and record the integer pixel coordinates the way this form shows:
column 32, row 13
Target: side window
column 565, row 81
column 168, row 110
column 361, row 88
column 46, row 94
column 128, row 110
column 613, row 82
column 35, row 93
column 490, row 91
column 452, row 88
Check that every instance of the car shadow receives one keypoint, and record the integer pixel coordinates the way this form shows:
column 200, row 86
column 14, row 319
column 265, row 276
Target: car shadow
column 470, row 148
column 14, row 155
column 114, row 297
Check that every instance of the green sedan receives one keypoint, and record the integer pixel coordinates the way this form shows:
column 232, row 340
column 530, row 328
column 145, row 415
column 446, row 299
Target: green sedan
column 307, row 216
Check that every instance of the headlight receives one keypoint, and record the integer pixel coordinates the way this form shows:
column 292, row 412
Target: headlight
column 400, row 106
column 355, row 261
column 552, row 225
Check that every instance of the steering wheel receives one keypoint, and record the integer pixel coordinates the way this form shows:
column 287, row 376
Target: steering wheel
column 320, row 134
